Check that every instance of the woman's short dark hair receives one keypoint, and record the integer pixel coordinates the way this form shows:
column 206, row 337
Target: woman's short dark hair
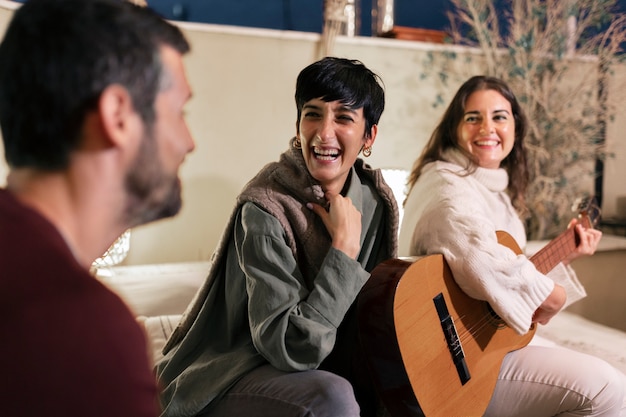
column 348, row 81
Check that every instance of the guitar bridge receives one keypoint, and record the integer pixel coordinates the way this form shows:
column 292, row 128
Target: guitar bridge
column 452, row 339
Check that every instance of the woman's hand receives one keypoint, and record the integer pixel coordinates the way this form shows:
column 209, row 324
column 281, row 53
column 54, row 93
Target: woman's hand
column 551, row 305
column 343, row 222
column 588, row 238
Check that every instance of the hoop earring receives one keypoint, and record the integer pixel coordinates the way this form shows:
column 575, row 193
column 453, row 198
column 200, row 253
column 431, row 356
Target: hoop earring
column 367, row 151
column 296, row 143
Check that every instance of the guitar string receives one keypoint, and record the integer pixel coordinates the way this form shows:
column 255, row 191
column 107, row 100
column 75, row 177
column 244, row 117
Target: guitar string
column 476, row 329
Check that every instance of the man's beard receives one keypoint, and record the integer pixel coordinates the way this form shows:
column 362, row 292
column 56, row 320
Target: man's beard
column 152, row 194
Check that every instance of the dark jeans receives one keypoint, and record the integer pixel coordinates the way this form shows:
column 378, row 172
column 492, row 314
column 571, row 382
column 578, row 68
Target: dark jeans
column 268, row 392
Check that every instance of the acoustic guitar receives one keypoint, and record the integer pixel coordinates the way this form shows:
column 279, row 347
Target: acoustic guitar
column 432, row 350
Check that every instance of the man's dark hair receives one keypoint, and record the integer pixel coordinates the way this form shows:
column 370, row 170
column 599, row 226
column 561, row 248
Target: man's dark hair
column 58, row 56
column 348, row 81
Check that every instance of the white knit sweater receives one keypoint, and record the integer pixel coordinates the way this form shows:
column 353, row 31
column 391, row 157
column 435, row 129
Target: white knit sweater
column 457, row 215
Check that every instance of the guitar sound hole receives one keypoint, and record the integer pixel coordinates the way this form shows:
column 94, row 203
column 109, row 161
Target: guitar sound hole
column 493, row 318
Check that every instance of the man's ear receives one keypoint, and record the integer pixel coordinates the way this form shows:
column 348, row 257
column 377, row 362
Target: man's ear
column 117, row 114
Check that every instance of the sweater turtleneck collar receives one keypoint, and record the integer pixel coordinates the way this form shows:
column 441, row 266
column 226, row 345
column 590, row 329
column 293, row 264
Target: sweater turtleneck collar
column 496, row 180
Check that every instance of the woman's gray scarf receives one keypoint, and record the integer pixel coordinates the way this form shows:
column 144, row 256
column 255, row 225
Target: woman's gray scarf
column 282, row 189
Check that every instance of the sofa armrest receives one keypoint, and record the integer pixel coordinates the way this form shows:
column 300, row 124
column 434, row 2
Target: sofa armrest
column 158, row 289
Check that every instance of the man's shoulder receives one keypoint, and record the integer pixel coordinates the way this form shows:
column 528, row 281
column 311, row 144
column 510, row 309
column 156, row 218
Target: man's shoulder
column 77, row 334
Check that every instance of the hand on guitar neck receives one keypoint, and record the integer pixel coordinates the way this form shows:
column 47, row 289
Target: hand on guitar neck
column 587, row 239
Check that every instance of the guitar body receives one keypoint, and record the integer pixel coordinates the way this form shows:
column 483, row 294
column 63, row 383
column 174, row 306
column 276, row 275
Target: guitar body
column 450, row 345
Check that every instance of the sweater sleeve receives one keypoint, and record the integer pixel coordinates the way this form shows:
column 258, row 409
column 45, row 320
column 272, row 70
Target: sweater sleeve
column 292, row 326
column 565, row 276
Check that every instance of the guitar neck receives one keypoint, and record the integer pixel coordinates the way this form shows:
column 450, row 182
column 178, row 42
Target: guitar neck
column 555, row 251
column 567, row 242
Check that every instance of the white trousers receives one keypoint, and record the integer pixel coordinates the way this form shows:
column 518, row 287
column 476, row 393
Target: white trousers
column 538, row 381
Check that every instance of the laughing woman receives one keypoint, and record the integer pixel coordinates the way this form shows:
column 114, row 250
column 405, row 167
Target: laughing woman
column 272, row 331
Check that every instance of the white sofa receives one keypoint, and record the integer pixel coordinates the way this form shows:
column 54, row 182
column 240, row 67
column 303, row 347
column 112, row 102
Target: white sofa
column 158, row 294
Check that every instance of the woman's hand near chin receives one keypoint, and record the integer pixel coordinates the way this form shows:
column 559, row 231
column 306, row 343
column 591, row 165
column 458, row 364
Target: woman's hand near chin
column 343, row 222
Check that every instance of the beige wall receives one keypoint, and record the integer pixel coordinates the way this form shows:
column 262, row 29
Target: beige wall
column 602, row 275
column 243, row 114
